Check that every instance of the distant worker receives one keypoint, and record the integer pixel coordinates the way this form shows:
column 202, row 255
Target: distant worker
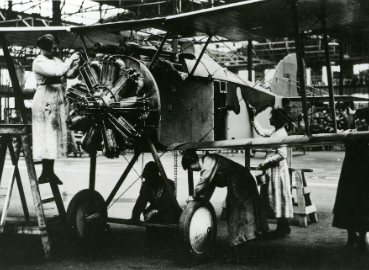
column 341, row 116
column 49, row 130
column 154, row 192
column 351, row 209
column 244, row 216
column 276, row 192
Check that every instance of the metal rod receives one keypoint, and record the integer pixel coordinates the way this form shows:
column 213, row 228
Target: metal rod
column 249, row 59
column 341, row 68
column 200, row 56
column 84, row 46
column 329, row 73
column 159, row 50
column 300, row 65
column 92, row 170
column 141, row 223
column 162, row 173
column 123, row 177
column 191, row 191
column 247, row 157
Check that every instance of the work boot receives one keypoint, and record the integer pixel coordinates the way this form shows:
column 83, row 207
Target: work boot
column 51, row 178
column 43, row 179
column 56, row 180
column 282, row 229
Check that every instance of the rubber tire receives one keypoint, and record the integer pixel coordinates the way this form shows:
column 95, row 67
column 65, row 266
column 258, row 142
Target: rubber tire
column 186, row 250
column 80, row 233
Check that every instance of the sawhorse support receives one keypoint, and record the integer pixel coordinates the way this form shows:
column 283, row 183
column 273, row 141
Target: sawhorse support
column 303, row 207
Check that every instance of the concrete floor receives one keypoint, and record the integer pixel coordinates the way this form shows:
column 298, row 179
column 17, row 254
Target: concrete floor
column 318, row 246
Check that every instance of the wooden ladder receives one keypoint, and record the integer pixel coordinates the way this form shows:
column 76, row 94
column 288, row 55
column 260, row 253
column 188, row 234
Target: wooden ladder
column 20, row 132
column 57, row 198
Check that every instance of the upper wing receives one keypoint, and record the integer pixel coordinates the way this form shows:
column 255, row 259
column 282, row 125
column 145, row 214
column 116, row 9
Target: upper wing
column 238, row 21
column 254, row 19
column 292, row 141
column 27, row 36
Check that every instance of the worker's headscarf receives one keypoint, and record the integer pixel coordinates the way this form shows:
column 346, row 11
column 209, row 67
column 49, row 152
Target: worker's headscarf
column 46, row 42
column 281, row 115
column 189, row 157
column 151, row 172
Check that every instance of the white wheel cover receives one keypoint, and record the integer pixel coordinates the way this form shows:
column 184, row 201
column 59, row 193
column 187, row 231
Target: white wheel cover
column 201, row 230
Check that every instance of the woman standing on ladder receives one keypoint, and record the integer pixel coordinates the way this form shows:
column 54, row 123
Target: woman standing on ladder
column 49, row 130
column 276, row 192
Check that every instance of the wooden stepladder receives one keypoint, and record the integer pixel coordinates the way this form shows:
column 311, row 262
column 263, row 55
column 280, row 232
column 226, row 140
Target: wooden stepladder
column 21, row 132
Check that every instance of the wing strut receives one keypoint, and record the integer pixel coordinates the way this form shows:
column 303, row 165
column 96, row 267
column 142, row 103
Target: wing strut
column 84, row 47
column 329, row 71
column 200, row 56
column 159, row 50
column 300, row 65
column 249, row 59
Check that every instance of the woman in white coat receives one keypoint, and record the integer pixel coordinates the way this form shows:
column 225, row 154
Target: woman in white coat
column 49, row 130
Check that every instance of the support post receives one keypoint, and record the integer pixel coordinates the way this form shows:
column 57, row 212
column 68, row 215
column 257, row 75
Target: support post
column 249, row 59
column 200, row 56
column 300, row 65
column 191, row 191
column 92, row 170
column 341, row 68
column 56, row 13
column 329, row 74
column 123, row 177
column 247, row 157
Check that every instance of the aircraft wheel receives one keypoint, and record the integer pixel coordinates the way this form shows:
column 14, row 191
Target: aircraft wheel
column 198, row 230
column 87, row 217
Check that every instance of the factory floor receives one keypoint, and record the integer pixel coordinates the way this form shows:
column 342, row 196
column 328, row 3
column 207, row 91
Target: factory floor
column 317, row 246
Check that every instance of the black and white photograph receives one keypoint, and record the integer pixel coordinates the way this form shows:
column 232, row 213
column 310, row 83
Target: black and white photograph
column 184, row 134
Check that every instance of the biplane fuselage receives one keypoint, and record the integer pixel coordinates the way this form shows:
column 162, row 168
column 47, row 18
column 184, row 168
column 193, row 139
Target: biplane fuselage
column 208, row 106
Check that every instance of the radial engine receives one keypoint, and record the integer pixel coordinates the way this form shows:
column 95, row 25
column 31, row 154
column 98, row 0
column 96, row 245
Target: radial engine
column 116, row 104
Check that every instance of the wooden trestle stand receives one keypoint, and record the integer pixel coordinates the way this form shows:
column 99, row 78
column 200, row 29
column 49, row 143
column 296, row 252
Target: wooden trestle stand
column 22, row 133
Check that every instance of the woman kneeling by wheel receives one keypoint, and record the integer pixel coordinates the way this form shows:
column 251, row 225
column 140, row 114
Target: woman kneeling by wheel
column 245, row 218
